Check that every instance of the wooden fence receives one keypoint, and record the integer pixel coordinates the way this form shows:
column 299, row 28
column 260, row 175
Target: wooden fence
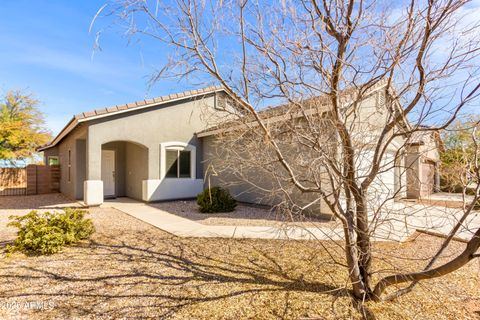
column 13, row 181
column 43, row 179
column 34, row 179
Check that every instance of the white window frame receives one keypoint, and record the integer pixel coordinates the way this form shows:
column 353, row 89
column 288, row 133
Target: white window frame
column 178, row 146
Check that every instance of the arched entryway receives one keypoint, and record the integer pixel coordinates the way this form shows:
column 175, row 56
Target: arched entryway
column 124, row 167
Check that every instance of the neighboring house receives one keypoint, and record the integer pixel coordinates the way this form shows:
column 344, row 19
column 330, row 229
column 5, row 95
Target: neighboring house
column 423, row 163
column 160, row 149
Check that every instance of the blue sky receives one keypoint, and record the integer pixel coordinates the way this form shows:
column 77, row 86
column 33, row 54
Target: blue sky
column 45, row 48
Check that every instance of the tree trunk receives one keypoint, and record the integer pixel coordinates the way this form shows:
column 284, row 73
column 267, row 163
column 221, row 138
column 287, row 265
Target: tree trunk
column 363, row 242
column 351, row 253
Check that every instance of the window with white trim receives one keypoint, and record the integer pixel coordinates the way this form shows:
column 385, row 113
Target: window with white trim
column 178, row 164
column 177, row 160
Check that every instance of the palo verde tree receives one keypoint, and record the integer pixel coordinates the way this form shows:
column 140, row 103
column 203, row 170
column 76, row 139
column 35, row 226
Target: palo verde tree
column 327, row 56
column 21, row 126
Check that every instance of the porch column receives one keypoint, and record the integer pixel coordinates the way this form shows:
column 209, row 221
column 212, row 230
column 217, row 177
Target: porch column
column 152, row 183
column 93, row 185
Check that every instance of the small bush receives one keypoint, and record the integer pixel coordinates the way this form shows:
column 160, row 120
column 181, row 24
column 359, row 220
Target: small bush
column 214, row 200
column 48, row 233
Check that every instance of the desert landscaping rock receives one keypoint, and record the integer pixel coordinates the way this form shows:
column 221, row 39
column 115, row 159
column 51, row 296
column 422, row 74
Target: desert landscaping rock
column 129, row 269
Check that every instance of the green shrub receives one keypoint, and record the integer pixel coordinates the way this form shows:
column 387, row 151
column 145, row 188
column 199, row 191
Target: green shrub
column 47, row 233
column 215, row 199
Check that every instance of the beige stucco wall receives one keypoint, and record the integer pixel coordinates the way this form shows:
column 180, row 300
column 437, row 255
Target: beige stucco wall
column 149, row 128
column 72, row 188
column 420, row 159
column 136, row 159
column 249, row 183
column 429, row 149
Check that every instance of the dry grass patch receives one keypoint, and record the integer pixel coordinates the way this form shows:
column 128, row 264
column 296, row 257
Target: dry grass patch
column 130, row 269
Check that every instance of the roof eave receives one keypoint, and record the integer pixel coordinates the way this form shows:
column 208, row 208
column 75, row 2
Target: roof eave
column 77, row 119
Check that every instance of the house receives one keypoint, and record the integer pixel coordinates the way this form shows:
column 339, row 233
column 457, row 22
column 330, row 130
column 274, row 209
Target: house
column 145, row 150
column 161, row 149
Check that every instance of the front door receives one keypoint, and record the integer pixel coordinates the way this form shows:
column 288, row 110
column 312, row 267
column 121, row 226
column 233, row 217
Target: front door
column 108, row 173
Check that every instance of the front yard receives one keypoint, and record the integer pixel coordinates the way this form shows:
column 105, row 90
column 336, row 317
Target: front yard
column 130, row 269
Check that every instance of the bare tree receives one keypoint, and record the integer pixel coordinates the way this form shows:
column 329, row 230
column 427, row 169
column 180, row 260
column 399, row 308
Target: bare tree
column 330, row 63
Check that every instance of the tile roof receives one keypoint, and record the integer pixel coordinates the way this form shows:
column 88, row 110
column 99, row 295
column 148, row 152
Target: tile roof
column 121, row 108
column 142, row 103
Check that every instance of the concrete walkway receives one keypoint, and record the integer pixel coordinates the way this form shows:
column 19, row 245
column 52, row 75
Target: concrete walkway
column 187, row 228
column 399, row 222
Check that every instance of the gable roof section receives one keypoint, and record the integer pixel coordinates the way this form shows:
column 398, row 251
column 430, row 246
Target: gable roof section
column 124, row 108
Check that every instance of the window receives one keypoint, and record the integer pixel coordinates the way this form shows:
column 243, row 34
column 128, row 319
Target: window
column 53, row 161
column 178, row 164
column 69, row 164
column 178, row 160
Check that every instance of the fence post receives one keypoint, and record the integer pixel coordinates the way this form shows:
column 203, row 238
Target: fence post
column 31, row 179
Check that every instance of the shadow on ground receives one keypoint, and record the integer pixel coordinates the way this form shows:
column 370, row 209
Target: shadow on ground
column 147, row 273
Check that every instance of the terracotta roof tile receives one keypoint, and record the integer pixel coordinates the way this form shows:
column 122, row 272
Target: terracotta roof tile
column 89, row 114
column 131, row 105
column 112, row 109
column 101, row 111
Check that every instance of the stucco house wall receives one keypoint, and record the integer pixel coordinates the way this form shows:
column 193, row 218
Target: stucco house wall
column 135, row 170
column 70, row 154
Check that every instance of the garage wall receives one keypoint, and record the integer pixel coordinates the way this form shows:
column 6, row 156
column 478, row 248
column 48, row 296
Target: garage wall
column 255, row 184
column 366, row 126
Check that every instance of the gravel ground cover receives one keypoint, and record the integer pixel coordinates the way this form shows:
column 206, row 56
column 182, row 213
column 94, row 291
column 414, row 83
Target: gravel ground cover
column 130, row 269
column 244, row 215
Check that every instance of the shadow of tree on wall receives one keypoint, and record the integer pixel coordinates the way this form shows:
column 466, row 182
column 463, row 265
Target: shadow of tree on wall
column 163, row 276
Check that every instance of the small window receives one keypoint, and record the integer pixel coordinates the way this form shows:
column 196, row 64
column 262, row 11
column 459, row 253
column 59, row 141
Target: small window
column 69, row 165
column 178, row 164
column 53, row 161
